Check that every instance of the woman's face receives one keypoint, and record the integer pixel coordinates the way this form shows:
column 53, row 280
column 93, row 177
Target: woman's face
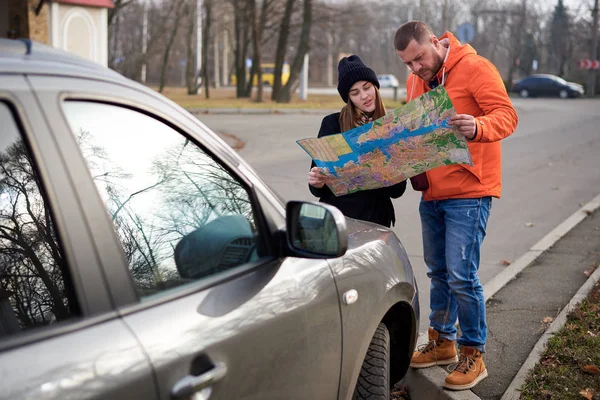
column 362, row 95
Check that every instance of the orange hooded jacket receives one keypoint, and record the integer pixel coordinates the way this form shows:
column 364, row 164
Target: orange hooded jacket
column 475, row 88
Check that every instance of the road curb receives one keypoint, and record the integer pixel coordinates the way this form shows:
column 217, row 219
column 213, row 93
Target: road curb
column 426, row 383
column 513, row 392
column 429, row 381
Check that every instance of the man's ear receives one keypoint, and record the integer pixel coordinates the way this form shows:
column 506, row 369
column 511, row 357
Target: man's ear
column 434, row 41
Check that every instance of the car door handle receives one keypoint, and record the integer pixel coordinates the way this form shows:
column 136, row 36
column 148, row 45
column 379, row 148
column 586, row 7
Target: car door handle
column 191, row 384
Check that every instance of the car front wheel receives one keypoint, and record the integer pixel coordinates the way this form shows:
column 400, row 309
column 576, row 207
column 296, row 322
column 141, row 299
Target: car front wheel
column 374, row 379
column 524, row 93
column 563, row 94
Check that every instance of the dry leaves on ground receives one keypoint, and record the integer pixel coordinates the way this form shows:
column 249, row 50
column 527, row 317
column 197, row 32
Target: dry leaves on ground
column 400, row 392
column 587, row 394
column 550, row 361
column 588, row 272
column 548, row 320
column 592, row 369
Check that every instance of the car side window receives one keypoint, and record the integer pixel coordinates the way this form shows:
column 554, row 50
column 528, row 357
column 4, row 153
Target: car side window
column 179, row 214
column 35, row 284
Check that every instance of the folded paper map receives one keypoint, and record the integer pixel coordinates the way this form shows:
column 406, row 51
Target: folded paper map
column 405, row 142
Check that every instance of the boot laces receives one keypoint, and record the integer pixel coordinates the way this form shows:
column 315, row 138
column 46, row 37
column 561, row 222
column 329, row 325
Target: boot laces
column 427, row 347
column 464, row 365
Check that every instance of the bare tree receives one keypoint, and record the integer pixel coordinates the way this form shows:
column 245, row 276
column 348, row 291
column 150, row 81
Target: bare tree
column 175, row 13
column 558, row 45
column 284, row 96
column 256, row 39
column 282, row 43
column 191, row 74
column 242, row 38
column 33, row 265
column 206, row 31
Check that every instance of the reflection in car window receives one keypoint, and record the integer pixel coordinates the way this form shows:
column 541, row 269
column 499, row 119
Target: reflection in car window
column 180, row 216
column 35, row 289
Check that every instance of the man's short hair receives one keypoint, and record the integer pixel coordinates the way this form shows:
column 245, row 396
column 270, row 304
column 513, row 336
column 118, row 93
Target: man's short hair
column 413, row 30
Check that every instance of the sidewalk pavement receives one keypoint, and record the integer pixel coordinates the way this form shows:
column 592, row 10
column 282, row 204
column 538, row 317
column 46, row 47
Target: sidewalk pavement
column 547, row 279
column 197, row 112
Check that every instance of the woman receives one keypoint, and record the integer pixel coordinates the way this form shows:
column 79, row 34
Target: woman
column 359, row 88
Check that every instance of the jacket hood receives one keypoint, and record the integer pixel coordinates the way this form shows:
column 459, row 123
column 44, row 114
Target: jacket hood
column 456, row 52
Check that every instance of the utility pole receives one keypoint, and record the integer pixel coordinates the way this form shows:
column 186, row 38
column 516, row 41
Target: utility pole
column 593, row 51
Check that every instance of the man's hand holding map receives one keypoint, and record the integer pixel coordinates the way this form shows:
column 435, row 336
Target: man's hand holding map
column 405, row 142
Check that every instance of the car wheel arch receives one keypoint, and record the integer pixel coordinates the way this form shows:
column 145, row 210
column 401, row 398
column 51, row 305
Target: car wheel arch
column 399, row 321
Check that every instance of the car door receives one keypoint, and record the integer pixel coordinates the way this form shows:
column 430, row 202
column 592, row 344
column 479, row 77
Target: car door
column 531, row 84
column 548, row 87
column 59, row 335
column 194, row 264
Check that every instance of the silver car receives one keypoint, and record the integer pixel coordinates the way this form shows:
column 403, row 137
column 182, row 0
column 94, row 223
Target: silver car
column 142, row 258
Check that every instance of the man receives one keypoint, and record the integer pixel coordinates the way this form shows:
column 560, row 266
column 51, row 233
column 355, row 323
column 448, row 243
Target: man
column 457, row 199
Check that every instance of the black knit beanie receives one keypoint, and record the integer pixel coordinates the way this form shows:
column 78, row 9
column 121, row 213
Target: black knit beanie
column 351, row 70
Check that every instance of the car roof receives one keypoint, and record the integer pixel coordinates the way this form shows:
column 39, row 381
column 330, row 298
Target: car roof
column 24, row 56
column 543, row 76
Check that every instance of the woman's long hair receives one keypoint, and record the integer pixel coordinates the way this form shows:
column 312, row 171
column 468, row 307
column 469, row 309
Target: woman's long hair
column 351, row 116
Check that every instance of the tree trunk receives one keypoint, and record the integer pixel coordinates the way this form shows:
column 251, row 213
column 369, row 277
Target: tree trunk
column 519, row 42
column 177, row 7
column 190, row 73
column 285, row 94
column 445, row 16
column 284, row 33
column 257, row 31
column 115, row 44
column 205, row 42
column 241, row 45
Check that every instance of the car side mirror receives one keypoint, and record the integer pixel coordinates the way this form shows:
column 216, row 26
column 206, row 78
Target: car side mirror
column 315, row 230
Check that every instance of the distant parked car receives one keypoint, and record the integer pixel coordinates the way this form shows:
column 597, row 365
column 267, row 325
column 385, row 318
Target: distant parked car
column 143, row 258
column 387, row 81
column 544, row 85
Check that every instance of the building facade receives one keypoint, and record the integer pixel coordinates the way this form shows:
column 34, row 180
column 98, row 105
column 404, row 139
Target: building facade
column 76, row 26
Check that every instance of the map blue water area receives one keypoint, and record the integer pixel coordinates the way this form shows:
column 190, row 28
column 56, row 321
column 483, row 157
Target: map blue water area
column 366, row 147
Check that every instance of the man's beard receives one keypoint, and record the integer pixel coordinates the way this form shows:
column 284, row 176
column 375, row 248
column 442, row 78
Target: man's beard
column 437, row 65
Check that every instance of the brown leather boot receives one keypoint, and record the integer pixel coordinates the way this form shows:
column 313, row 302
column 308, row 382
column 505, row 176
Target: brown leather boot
column 469, row 371
column 438, row 351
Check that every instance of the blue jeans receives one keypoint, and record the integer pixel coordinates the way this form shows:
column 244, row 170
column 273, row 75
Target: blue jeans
column 453, row 232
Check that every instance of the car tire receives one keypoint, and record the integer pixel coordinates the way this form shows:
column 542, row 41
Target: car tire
column 524, row 93
column 563, row 94
column 374, row 379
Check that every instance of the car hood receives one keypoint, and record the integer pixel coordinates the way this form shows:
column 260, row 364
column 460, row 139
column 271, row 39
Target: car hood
column 575, row 86
column 356, row 226
column 362, row 232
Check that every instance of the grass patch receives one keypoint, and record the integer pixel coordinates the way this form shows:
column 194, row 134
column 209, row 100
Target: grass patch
column 225, row 98
column 570, row 366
